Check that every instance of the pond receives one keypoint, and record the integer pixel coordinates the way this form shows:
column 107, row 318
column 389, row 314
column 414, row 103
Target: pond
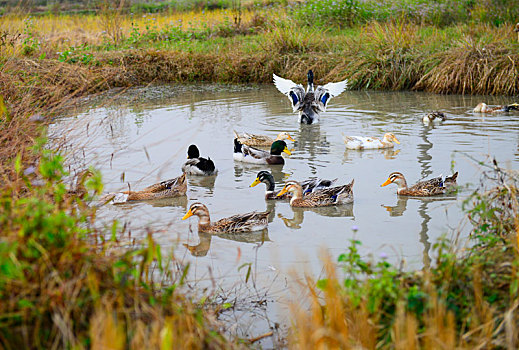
column 140, row 136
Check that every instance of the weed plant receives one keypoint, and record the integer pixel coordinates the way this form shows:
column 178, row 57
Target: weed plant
column 467, row 300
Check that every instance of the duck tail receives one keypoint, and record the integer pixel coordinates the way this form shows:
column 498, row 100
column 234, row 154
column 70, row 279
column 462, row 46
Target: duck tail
column 237, row 146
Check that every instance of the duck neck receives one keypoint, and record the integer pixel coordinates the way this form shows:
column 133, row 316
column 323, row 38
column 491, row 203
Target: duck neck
column 402, row 185
column 269, row 181
column 297, row 194
column 204, row 220
column 310, row 86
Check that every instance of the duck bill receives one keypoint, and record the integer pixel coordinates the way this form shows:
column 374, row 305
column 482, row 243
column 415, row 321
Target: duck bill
column 188, row 214
column 286, row 150
column 282, row 192
column 257, row 181
column 396, row 140
column 388, row 181
column 290, row 138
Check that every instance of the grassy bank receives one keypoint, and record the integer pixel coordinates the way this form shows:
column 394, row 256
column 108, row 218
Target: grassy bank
column 61, row 285
column 467, row 300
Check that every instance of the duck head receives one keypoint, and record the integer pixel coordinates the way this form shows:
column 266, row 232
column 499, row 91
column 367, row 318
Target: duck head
column 396, row 178
column 284, row 136
column 266, row 178
column 292, row 187
column 199, row 210
column 390, row 137
column 193, row 152
column 278, row 147
column 481, row 108
column 310, row 76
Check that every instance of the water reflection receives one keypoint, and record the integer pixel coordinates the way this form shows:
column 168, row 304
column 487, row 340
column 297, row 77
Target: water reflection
column 203, row 182
column 351, row 154
column 204, row 240
column 344, row 210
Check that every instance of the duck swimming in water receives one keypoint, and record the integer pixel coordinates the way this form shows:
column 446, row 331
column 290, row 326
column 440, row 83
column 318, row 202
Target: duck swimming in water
column 312, row 101
column 431, row 187
column 484, row 108
column 247, row 154
column 197, row 165
column 253, row 221
column 430, row 118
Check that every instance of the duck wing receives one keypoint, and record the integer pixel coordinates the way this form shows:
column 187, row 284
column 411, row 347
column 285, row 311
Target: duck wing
column 331, row 195
column 166, row 185
column 242, row 222
column 254, row 152
column 324, row 93
column 295, row 92
column 429, row 187
column 315, row 183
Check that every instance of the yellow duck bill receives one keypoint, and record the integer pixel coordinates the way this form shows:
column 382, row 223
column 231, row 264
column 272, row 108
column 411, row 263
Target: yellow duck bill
column 388, row 181
column 188, row 214
column 257, row 181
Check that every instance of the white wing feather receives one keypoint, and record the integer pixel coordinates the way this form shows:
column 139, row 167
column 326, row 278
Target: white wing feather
column 285, row 85
column 335, row 89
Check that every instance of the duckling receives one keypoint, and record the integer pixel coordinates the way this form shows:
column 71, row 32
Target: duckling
column 430, row 117
column 260, row 140
column 516, row 29
column 431, row 187
column 166, row 189
column 247, row 154
column 318, row 198
column 484, row 108
column 253, row 221
column 311, row 102
column 308, row 185
column 361, row 142
column 197, row 165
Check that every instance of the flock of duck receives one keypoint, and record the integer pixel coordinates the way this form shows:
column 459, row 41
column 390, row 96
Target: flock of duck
column 313, row 192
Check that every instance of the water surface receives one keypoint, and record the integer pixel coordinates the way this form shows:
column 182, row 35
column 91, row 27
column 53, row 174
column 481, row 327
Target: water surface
column 140, row 136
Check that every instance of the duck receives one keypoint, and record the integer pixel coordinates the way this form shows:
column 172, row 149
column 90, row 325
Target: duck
column 484, row 108
column 255, row 140
column 431, row 187
column 516, row 29
column 252, row 221
column 307, row 185
column 197, row 165
column 361, row 142
column 312, row 101
column 318, row 198
column 431, row 117
column 247, row 154
column 171, row 188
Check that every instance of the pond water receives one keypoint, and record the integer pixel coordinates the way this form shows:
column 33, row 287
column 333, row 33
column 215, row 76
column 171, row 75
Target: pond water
column 140, row 136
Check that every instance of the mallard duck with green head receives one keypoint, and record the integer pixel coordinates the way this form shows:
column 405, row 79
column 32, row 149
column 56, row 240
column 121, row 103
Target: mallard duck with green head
column 247, row 154
column 308, row 185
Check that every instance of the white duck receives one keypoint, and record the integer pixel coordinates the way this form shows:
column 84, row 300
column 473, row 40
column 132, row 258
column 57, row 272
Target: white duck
column 310, row 102
column 361, row 142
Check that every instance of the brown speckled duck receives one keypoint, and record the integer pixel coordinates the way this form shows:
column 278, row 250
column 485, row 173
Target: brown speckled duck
column 166, row 189
column 253, row 221
column 318, row 198
column 255, row 140
column 308, row 185
column 431, row 187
